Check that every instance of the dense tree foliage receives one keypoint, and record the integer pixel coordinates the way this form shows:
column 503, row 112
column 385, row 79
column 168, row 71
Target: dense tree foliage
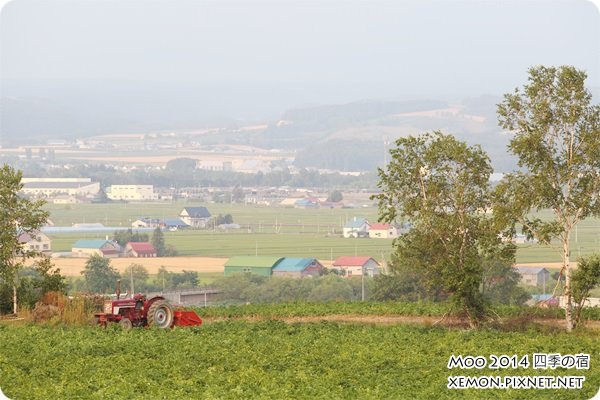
column 158, row 241
column 335, row 196
column 442, row 186
column 247, row 288
column 34, row 282
column 109, row 175
column 124, row 237
column 17, row 215
column 556, row 137
column 99, row 275
column 585, row 278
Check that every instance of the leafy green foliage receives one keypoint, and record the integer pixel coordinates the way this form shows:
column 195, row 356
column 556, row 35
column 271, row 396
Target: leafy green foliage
column 275, row 360
column 158, row 241
column 247, row 288
column 124, row 237
column 165, row 280
column 556, row 137
column 585, row 278
column 34, row 282
column 500, row 283
column 99, row 275
column 335, row 196
column 139, row 275
column 381, row 308
column 441, row 185
column 17, row 215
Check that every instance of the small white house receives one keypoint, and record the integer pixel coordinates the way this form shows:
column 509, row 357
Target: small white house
column 356, row 227
column 196, row 217
column 35, row 241
column 146, row 223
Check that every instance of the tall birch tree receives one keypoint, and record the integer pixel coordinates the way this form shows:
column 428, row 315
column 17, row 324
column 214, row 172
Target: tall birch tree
column 556, row 136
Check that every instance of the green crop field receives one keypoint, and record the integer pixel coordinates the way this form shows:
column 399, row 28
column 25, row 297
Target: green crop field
column 262, row 219
column 203, row 243
column 273, row 360
column 378, row 308
column 303, row 233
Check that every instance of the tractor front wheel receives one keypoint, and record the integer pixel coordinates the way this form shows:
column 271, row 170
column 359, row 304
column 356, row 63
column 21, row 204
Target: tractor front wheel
column 160, row 314
column 125, row 324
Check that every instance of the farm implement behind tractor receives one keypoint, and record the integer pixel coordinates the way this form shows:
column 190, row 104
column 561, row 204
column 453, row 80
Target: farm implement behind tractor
column 141, row 312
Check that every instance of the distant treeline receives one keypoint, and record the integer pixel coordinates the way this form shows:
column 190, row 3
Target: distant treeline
column 178, row 175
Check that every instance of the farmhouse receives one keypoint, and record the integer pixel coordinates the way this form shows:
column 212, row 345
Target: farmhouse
column 104, row 248
column 140, row 249
column 196, row 217
column 35, row 241
column 173, row 224
column 534, row 276
column 146, row 222
column 298, row 267
column 356, row 227
column 383, row 231
column 354, row 266
column 251, row 264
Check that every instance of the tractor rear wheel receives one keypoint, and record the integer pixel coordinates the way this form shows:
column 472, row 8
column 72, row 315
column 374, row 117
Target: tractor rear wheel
column 125, row 324
column 160, row 314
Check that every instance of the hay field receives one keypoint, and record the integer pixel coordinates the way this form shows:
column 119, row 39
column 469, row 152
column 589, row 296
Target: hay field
column 74, row 266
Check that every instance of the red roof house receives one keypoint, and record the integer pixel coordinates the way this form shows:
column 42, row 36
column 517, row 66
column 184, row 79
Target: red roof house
column 140, row 249
column 356, row 265
column 383, row 231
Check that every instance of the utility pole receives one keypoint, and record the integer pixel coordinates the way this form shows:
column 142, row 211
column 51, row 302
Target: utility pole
column 544, row 284
column 131, row 278
column 363, row 283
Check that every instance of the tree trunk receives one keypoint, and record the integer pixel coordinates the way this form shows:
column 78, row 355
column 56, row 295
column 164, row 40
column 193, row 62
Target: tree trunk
column 567, row 269
column 15, row 298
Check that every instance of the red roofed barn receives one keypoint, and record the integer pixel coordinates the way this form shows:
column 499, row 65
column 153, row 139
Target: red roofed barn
column 140, row 249
column 354, row 266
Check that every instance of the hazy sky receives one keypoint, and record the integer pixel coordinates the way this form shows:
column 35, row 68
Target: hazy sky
column 343, row 50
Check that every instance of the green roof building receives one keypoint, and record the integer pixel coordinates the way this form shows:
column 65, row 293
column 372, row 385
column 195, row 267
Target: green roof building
column 251, row 264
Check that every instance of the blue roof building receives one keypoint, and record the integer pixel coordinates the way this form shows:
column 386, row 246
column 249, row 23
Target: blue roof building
column 298, row 267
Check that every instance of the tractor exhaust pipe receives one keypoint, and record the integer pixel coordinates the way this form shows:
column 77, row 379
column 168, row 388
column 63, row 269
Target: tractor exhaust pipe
column 118, row 291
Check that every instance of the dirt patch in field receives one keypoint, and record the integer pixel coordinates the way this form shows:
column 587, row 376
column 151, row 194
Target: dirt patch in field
column 551, row 265
column 74, row 266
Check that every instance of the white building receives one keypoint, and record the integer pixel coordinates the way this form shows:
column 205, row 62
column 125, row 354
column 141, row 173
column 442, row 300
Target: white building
column 356, row 227
column 35, row 241
column 131, row 192
column 52, row 187
column 196, row 217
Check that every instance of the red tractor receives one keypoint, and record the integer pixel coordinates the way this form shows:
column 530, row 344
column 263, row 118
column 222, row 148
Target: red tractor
column 140, row 311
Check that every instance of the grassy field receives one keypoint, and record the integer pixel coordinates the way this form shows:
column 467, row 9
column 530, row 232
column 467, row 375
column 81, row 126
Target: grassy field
column 303, row 233
column 209, row 244
column 273, row 360
column 261, row 219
